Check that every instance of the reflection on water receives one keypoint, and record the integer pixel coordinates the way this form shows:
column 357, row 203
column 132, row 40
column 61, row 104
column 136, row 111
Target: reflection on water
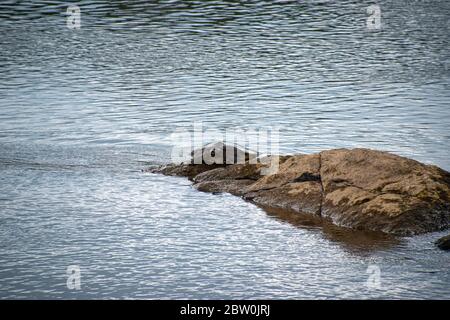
column 82, row 111
column 354, row 240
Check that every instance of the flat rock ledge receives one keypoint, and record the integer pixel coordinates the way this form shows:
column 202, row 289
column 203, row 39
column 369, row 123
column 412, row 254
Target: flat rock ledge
column 357, row 188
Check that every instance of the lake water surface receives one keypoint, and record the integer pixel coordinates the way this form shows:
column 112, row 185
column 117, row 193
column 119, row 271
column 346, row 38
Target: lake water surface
column 83, row 111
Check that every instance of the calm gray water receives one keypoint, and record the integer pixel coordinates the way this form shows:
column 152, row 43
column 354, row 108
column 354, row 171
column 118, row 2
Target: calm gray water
column 83, row 111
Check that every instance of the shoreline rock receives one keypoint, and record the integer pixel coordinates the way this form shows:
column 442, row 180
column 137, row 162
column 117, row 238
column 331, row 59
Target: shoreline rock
column 361, row 189
column 443, row 243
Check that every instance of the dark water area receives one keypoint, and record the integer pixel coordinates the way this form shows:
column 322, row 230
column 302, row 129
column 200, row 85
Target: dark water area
column 82, row 111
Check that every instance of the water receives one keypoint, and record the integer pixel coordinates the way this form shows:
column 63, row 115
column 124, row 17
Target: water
column 83, row 111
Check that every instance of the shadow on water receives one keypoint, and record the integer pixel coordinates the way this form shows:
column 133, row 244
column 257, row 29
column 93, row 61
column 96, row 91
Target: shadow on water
column 356, row 241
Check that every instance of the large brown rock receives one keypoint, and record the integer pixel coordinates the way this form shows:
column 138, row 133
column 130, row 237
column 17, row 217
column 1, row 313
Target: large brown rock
column 357, row 188
column 367, row 189
column 296, row 186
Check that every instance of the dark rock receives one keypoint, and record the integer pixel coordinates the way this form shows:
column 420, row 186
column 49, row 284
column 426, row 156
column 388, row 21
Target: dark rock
column 184, row 170
column 232, row 172
column 234, row 187
column 306, row 176
column 443, row 243
column 219, row 153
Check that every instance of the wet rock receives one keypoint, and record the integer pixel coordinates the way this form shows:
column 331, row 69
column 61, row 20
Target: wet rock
column 300, row 197
column 232, row 172
column 235, row 187
column 295, row 186
column 443, row 243
column 184, row 170
column 367, row 189
column 358, row 188
column 290, row 170
column 220, row 153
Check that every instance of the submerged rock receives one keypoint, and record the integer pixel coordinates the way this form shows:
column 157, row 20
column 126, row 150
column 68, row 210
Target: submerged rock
column 443, row 243
column 357, row 188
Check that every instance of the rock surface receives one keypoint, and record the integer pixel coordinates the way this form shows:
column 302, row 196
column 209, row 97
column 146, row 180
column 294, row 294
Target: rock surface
column 357, row 188
column 443, row 243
